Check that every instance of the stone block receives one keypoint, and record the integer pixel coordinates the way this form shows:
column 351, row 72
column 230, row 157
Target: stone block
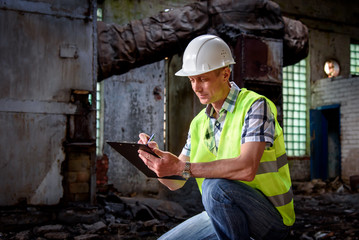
column 79, row 187
column 79, row 164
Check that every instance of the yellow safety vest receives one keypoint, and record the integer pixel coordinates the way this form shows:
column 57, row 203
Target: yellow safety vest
column 272, row 177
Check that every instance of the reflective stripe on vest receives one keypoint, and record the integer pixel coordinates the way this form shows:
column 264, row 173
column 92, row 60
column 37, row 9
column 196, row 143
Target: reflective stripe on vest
column 282, row 199
column 272, row 166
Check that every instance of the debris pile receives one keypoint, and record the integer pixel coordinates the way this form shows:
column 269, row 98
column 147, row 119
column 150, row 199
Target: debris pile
column 318, row 186
column 324, row 210
column 113, row 217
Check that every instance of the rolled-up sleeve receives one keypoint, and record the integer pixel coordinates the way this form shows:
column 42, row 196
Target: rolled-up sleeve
column 259, row 124
column 187, row 147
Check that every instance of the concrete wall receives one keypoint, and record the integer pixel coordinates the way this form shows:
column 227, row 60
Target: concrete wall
column 329, row 15
column 124, row 11
column 325, row 46
column 133, row 103
column 299, row 168
column 46, row 52
column 342, row 91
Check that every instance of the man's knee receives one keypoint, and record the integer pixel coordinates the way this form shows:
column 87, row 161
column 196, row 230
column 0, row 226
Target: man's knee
column 208, row 190
column 213, row 191
column 210, row 185
column 223, row 190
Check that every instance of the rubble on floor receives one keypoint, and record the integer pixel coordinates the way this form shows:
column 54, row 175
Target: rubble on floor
column 324, row 210
column 114, row 217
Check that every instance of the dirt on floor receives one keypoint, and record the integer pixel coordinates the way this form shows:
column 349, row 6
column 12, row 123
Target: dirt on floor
column 324, row 210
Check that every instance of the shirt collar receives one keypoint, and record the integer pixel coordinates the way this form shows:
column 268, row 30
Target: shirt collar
column 229, row 103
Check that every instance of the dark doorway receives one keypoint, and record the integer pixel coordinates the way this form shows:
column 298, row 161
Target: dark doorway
column 325, row 142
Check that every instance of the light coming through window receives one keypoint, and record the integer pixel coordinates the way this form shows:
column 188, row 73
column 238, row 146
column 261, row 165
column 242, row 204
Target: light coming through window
column 354, row 59
column 294, row 108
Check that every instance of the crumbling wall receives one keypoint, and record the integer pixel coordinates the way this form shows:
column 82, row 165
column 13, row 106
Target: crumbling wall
column 46, row 75
column 134, row 103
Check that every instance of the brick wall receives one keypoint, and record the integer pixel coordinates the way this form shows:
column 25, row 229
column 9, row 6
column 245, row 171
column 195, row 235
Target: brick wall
column 299, row 168
column 101, row 172
column 78, row 182
column 79, row 176
column 346, row 93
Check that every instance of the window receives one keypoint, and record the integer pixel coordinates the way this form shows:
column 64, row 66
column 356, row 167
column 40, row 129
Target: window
column 99, row 107
column 295, row 108
column 99, row 119
column 354, row 59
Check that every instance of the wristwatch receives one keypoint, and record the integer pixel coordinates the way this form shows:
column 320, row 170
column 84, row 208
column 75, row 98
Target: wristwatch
column 187, row 170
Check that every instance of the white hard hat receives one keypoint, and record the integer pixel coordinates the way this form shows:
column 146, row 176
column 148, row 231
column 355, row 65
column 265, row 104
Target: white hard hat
column 203, row 54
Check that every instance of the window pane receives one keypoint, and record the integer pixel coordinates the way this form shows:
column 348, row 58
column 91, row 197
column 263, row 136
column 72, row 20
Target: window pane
column 98, row 117
column 98, row 103
column 354, row 59
column 294, row 108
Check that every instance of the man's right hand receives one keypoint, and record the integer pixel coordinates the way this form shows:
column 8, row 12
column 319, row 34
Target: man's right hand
column 170, row 183
column 144, row 140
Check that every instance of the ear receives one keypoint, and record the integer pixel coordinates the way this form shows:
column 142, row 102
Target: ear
column 226, row 73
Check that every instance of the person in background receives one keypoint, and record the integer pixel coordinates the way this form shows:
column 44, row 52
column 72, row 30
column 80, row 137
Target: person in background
column 235, row 151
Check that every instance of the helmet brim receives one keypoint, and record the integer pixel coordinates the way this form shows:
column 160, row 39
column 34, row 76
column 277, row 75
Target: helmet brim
column 182, row 73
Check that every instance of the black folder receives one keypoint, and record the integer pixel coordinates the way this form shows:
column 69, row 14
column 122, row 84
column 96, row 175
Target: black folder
column 130, row 151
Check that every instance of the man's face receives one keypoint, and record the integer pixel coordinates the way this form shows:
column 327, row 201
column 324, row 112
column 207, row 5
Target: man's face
column 210, row 87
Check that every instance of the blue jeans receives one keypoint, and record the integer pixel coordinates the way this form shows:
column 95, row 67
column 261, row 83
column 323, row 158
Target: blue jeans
column 233, row 211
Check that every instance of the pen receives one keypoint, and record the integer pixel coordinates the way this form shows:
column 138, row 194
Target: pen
column 150, row 138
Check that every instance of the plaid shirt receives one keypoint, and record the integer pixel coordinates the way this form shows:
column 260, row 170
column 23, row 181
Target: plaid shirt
column 258, row 124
